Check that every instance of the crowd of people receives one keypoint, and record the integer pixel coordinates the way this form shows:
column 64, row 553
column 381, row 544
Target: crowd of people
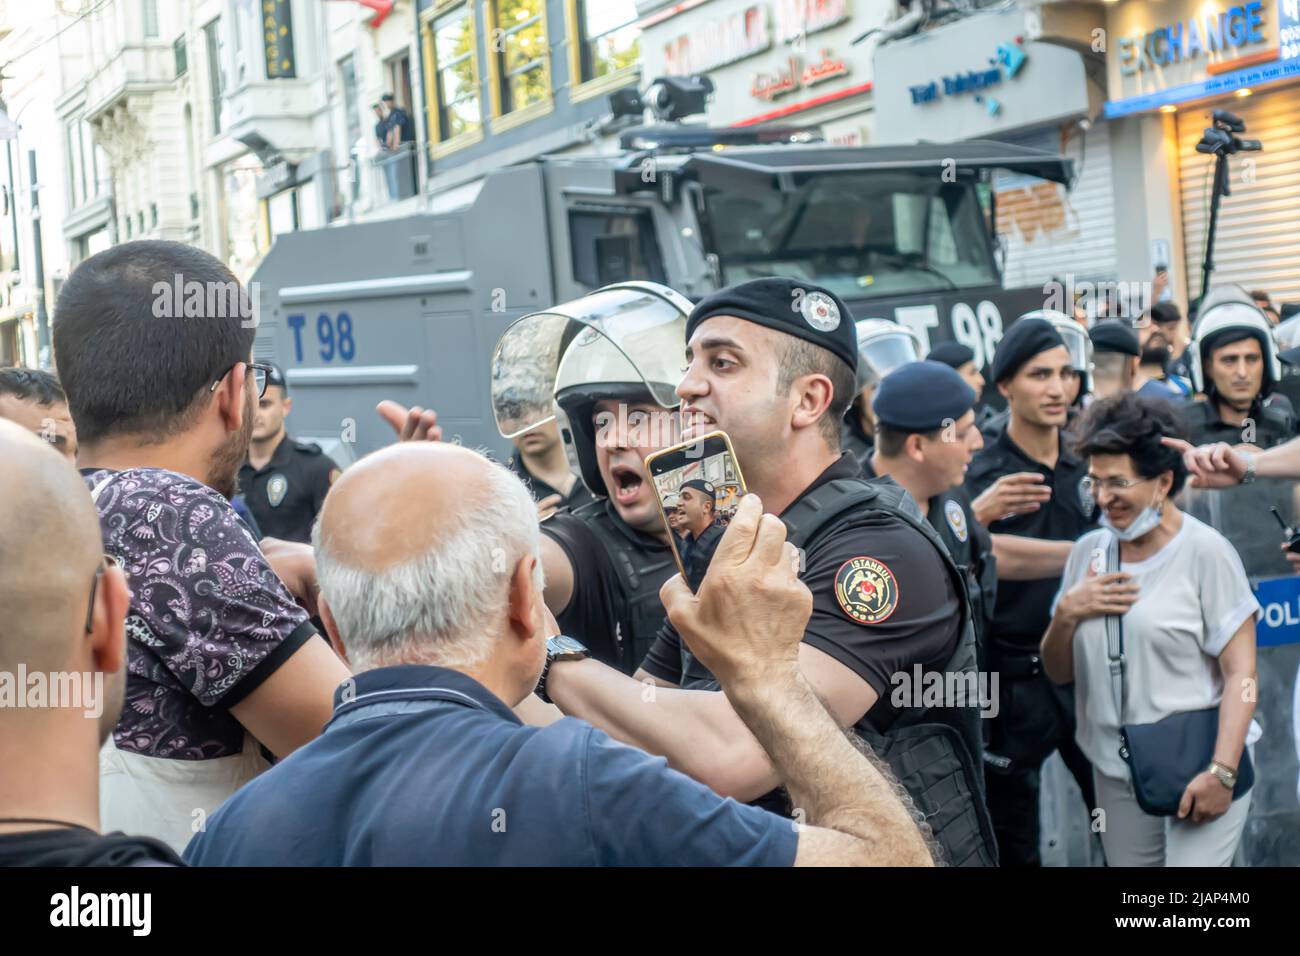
column 455, row 661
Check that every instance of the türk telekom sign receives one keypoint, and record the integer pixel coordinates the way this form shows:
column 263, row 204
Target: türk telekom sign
column 747, row 31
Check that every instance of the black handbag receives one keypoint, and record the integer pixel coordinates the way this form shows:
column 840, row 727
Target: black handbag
column 1164, row 757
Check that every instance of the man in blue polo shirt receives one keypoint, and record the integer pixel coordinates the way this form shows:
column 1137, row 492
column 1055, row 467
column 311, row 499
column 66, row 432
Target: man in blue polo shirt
column 434, row 595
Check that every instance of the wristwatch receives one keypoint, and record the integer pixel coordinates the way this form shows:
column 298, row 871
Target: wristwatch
column 1249, row 476
column 1224, row 774
column 559, row 648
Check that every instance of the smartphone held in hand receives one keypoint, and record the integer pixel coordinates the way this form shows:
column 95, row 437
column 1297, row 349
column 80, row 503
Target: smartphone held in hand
column 698, row 485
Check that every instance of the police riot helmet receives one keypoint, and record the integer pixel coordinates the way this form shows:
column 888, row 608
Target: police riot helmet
column 1227, row 313
column 623, row 342
column 882, row 347
column 1077, row 343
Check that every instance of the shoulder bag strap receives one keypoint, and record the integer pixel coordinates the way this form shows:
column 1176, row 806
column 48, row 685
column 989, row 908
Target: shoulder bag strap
column 1115, row 641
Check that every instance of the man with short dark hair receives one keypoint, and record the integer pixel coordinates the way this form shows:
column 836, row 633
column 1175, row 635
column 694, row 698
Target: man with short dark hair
column 33, row 398
column 222, row 656
column 772, row 363
column 63, row 610
column 284, row 481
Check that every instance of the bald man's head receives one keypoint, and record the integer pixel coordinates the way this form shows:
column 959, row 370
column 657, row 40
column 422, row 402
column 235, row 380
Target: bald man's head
column 417, row 549
column 50, row 546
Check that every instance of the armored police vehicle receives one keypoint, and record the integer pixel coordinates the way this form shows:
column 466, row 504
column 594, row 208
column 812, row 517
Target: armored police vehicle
column 410, row 309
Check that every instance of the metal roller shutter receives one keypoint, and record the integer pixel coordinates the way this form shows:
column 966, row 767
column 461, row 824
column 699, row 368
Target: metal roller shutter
column 1258, row 242
column 1050, row 232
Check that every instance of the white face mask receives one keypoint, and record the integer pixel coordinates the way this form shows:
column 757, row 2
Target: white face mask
column 1146, row 521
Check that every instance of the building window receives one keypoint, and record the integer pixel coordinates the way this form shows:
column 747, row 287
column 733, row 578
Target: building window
column 216, row 72
column 519, row 54
column 182, row 56
column 149, row 14
column 452, row 63
column 609, row 39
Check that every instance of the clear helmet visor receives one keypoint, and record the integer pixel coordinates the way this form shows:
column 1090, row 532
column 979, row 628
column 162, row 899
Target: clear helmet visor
column 886, row 353
column 632, row 333
column 1078, row 345
column 1075, row 336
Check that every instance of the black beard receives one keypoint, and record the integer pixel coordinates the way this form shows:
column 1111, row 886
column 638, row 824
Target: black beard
column 1155, row 356
column 223, row 472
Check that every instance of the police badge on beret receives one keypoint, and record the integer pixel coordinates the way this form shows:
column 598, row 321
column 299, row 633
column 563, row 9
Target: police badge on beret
column 956, row 519
column 276, row 489
column 820, row 311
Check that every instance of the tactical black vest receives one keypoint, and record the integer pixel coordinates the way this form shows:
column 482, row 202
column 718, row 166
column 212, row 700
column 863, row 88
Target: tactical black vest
column 936, row 753
column 640, row 574
column 1273, row 425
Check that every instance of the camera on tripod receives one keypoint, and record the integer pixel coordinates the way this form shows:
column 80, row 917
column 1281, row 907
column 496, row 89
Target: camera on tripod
column 1221, row 139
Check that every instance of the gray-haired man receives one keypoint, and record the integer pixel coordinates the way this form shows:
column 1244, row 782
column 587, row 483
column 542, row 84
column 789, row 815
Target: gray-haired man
column 435, row 597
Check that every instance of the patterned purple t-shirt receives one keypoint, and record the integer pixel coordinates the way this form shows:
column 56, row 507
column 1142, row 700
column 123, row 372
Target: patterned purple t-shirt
column 208, row 622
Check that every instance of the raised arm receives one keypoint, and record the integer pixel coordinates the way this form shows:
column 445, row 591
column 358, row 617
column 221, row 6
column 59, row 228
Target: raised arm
column 746, row 625
column 1024, row 559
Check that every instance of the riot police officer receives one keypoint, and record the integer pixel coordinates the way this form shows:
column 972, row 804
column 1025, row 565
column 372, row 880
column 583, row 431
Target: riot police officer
column 882, row 347
column 284, row 481
column 605, row 366
column 1235, row 365
column 1026, row 482
column 772, row 363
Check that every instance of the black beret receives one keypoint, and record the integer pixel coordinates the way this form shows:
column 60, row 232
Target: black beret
column 951, row 354
column 922, row 396
column 792, row 306
column 701, row 485
column 1025, row 339
column 1113, row 335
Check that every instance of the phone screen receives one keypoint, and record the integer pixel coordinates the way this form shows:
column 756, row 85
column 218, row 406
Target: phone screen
column 698, row 484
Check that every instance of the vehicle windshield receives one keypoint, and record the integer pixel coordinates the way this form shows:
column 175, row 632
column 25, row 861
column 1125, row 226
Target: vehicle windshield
column 858, row 234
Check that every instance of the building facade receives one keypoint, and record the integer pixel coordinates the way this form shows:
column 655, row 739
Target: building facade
column 790, row 62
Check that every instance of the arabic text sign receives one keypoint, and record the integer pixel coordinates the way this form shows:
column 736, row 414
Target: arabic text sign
column 793, row 75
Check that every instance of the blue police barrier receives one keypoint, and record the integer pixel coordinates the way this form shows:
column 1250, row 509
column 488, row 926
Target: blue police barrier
column 1280, row 623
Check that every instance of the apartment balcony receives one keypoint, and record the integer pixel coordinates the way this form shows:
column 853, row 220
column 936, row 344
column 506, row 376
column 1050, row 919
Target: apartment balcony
column 128, row 72
column 272, row 117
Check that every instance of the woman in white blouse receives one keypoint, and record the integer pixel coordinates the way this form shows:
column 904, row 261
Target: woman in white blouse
column 1188, row 617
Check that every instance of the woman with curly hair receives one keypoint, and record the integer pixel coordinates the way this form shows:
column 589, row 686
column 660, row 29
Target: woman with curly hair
column 1155, row 621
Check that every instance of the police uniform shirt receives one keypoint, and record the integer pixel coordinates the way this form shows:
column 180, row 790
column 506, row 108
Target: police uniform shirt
column 1023, row 608
column 539, row 489
column 696, row 559
column 953, row 517
column 286, row 494
column 598, row 613
column 913, row 619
